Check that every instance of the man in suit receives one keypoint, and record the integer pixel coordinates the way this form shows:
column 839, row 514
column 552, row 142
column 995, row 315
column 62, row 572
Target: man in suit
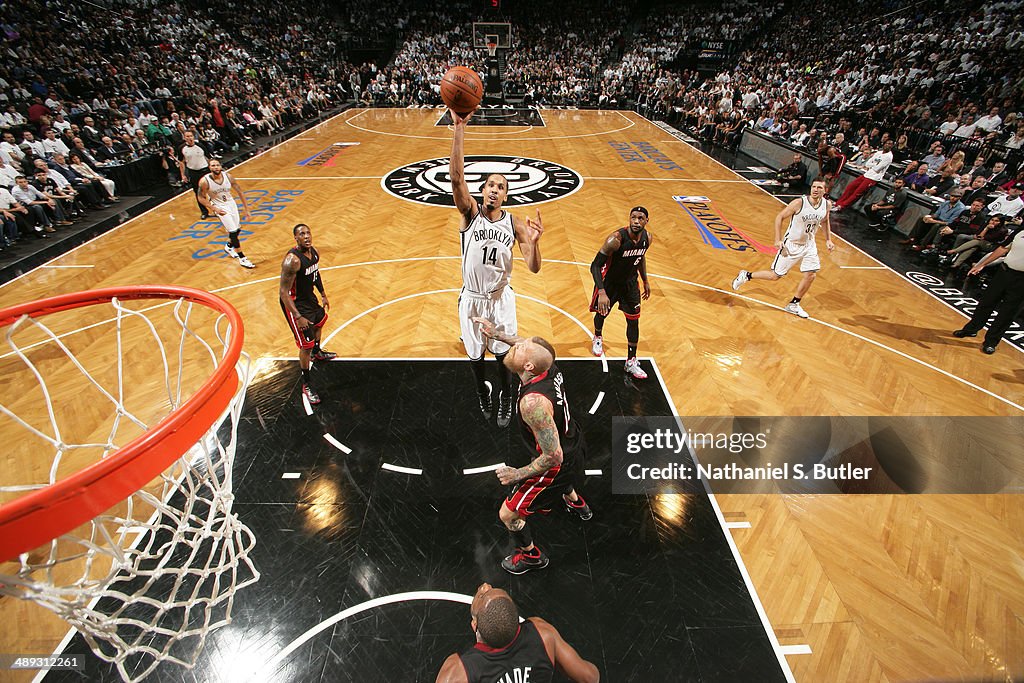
column 111, row 151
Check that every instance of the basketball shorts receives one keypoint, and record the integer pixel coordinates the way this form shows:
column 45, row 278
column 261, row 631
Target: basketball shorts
column 806, row 255
column 500, row 310
column 231, row 221
column 315, row 314
column 625, row 294
column 543, row 492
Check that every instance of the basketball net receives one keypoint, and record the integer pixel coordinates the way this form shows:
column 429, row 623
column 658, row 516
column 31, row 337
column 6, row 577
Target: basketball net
column 492, row 49
column 147, row 577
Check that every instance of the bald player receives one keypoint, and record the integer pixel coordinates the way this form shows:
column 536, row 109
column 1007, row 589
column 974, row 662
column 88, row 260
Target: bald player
column 548, row 429
column 507, row 650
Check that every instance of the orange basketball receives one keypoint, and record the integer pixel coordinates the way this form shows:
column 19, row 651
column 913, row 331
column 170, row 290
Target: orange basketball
column 461, row 89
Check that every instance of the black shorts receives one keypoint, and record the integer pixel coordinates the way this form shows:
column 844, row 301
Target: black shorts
column 315, row 314
column 626, row 294
column 543, row 492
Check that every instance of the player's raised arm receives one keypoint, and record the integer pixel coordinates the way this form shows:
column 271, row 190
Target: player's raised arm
column 563, row 656
column 528, row 233
column 464, row 201
column 791, row 210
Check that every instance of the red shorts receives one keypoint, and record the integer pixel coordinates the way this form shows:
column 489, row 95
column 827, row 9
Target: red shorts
column 306, row 339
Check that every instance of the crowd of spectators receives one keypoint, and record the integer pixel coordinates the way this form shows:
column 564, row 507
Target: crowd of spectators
column 126, row 81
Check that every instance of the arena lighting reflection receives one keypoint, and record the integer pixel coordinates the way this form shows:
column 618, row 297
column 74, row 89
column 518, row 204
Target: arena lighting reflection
column 241, row 654
column 671, row 508
column 321, row 507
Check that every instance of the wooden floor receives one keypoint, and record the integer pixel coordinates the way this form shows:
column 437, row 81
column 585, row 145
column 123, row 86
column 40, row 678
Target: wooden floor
column 882, row 588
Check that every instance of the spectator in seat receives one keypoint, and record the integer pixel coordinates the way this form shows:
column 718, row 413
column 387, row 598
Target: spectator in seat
column 928, row 226
column 1010, row 205
column 966, row 246
column 887, row 210
column 794, row 174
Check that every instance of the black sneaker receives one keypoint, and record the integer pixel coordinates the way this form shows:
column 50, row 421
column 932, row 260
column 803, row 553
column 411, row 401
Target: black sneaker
column 310, row 395
column 505, row 409
column 522, row 561
column 960, row 334
column 580, row 507
column 323, row 355
column 486, row 405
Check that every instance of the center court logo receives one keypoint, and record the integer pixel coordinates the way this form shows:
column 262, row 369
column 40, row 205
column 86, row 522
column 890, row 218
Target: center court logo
column 530, row 181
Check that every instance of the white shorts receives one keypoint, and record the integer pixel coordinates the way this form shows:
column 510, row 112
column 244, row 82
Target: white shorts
column 791, row 254
column 231, row 220
column 500, row 311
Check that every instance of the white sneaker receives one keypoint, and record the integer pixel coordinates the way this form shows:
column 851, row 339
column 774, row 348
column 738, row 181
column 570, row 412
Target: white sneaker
column 740, row 280
column 633, row 368
column 795, row 309
column 597, row 348
column 230, row 251
column 246, row 263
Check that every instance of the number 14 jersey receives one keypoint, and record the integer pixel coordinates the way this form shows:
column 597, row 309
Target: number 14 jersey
column 487, row 253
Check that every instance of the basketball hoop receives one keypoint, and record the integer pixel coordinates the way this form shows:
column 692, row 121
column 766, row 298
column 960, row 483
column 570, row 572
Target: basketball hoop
column 127, row 531
column 492, row 48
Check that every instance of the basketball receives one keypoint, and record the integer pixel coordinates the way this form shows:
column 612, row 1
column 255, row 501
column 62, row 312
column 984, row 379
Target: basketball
column 461, row 89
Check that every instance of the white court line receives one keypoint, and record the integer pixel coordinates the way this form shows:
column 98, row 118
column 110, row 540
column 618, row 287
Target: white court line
column 337, row 444
column 168, row 200
column 597, row 401
column 487, row 468
column 448, row 137
column 46, row 266
column 795, row 649
column 399, row 468
column 276, row 660
column 593, row 473
column 863, row 267
column 769, row 631
column 665, row 180
column 737, row 525
column 291, row 475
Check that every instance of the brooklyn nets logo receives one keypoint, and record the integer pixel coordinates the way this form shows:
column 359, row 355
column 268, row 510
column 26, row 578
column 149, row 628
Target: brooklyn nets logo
column 530, row 181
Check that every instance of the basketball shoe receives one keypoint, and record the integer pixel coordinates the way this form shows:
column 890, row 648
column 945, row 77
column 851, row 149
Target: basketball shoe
column 740, row 280
column 230, row 251
column 504, row 409
column 597, row 348
column 245, row 262
column 323, row 355
column 310, row 395
column 633, row 368
column 486, row 405
column 522, row 561
column 580, row 507
column 795, row 308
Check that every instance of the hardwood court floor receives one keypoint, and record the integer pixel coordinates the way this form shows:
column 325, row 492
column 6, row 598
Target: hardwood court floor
column 888, row 588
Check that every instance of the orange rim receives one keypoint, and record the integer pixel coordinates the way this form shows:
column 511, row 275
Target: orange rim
column 39, row 517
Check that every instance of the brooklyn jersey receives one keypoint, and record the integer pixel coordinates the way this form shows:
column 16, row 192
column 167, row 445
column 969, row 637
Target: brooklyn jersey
column 220, row 193
column 307, row 277
column 622, row 265
column 805, row 222
column 487, row 254
column 524, row 659
column 551, row 386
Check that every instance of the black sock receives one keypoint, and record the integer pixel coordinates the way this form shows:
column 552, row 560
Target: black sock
column 235, row 243
column 479, row 371
column 305, row 376
column 522, row 538
column 632, row 335
column 503, row 374
column 795, row 300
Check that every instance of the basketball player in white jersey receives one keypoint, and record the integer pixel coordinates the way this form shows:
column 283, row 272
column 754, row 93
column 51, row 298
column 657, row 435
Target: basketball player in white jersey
column 797, row 246
column 215, row 190
column 487, row 233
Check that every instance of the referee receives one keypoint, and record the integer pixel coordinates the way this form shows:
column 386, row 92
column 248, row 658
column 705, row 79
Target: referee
column 1005, row 293
column 193, row 165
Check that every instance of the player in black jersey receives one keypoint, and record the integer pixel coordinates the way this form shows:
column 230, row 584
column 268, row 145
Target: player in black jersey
column 300, row 273
column 548, row 429
column 507, row 650
column 615, row 268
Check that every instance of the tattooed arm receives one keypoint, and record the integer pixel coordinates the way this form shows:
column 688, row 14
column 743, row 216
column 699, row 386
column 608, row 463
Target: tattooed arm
column 488, row 330
column 537, row 412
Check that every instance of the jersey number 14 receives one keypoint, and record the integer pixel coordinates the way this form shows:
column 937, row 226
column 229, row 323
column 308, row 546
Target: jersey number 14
column 490, row 256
